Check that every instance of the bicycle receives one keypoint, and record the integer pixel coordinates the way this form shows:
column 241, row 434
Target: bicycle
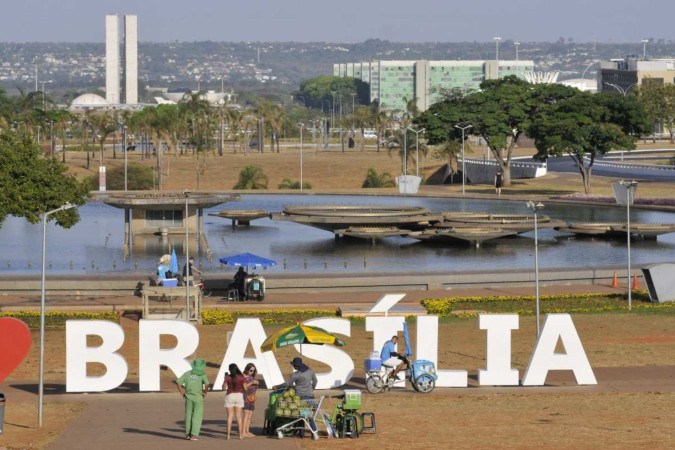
column 421, row 374
column 206, row 292
column 345, row 420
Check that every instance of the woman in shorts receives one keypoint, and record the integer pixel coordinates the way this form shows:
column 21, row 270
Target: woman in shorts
column 234, row 398
column 250, row 388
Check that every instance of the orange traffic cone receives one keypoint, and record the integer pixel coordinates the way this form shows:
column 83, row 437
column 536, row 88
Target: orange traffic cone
column 635, row 286
column 615, row 281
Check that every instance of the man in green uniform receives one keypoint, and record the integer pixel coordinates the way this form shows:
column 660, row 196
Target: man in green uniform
column 193, row 386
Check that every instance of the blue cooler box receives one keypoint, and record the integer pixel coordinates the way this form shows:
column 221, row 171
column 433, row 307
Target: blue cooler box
column 372, row 364
column 170, row 282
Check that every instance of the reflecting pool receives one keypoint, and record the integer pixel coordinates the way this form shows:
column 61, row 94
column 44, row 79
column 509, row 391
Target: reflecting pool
column 95, row 244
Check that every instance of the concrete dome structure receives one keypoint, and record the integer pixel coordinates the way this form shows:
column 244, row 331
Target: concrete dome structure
column 89, row 100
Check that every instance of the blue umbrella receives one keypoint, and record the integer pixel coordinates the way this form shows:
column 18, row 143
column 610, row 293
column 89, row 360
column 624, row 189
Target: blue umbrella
column 174, row 262
column 247, row 260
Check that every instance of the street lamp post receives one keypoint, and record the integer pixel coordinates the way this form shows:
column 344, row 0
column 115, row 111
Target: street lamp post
column 463, row 166
column 536, row 207
column 42, row 307
column 630, row 194
column 517, row 44
column 188, row 272
column 622, row 90
column 301, row 125
column 124, row 144
column 497, row 39
column 644, row 49
column 417, row 149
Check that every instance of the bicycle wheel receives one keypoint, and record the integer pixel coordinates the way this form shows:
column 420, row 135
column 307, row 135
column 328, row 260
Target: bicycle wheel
column 374, row 384
column 353, row 425
column 425, row 383
column 206, row 292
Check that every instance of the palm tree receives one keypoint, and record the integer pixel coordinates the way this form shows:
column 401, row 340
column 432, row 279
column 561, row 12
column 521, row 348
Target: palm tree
column 104, row 124
column 252, row 177
column 195, row 111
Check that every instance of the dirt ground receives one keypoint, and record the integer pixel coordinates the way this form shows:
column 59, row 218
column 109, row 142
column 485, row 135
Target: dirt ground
column 443, row 418
column 482, row 419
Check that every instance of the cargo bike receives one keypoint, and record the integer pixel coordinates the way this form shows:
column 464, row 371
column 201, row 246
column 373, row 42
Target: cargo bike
column 421, row 373
column 287, row 415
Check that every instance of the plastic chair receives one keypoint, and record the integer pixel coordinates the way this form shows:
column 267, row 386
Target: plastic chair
column 233, row 295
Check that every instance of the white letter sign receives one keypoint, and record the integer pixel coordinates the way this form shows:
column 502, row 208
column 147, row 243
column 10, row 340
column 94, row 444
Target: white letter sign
column 544, row 357
column 78, row 355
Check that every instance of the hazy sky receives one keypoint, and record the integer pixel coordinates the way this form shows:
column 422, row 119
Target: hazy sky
column 343, row 20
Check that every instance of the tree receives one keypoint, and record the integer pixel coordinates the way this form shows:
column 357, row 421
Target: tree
column 287, row 183
column 32, row 184
column 139, row 177
column 658, row 101
column 319, row 91
column 500, row 112
column 585, row 126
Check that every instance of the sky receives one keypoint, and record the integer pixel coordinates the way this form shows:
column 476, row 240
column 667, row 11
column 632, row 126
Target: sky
column 349, row 21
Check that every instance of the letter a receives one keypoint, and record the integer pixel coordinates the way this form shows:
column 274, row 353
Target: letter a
column 544, row 357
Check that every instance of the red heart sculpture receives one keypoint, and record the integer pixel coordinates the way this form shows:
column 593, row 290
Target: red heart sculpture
column 14, row 345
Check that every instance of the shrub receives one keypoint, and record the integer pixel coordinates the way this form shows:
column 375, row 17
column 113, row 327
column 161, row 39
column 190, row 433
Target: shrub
column 57, row 319
column 219, row 316
column 139, row 178
column 375, row 180
column 287, row 183
column 252, row 177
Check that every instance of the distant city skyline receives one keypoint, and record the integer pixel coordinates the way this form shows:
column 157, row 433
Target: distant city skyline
column 619, row 21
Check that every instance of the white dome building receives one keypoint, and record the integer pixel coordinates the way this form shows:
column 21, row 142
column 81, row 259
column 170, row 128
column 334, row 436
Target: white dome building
column 89, row 100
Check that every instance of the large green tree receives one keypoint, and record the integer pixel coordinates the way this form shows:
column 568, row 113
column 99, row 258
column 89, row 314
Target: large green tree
column 499, row 113
column 323, row 90
column 658, row 101
column 32, row 184
column 586, row 126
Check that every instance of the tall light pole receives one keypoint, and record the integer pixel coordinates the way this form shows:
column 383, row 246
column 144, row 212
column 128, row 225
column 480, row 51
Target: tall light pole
column 644, row 49
column 188, row 272
column 41, row 382
column 124, row 144
column 301, row 125
column 463, row 166
column 622, row 90
column 517, row 44
column 417, row 149
column 536, row 207
column 630, row 194
column 497, row 39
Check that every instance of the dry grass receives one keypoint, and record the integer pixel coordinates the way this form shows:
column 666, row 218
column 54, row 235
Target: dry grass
column 479, row 419
column 331, row 171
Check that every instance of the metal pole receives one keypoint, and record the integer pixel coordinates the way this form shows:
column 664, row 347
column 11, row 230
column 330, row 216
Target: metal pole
column 497, row 39
column 536, row 207
column 188, row 272
column 463, row 165
column 405, row 160
column 630, row 189
column 42, row 308
column 301, row 125
column 124, row 143
column 536, row 270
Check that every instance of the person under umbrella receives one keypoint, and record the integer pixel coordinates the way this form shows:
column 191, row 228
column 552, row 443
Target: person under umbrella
column 304, row 379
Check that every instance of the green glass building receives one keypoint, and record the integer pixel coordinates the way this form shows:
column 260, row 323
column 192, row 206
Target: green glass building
column 395, row 83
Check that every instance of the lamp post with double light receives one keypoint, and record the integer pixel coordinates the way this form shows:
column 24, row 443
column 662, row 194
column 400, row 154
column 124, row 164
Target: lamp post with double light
column 301, row 125
column 417, row 149
column 188, row 271
column 630, row 195
column 497, row 39
column 42, row 307
column 536, row 207
column 644, row 49
column 463, row 166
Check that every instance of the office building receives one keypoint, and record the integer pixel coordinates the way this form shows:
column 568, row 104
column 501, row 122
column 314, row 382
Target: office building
column 395, row 83
column 623, row 75
column 115, row 78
